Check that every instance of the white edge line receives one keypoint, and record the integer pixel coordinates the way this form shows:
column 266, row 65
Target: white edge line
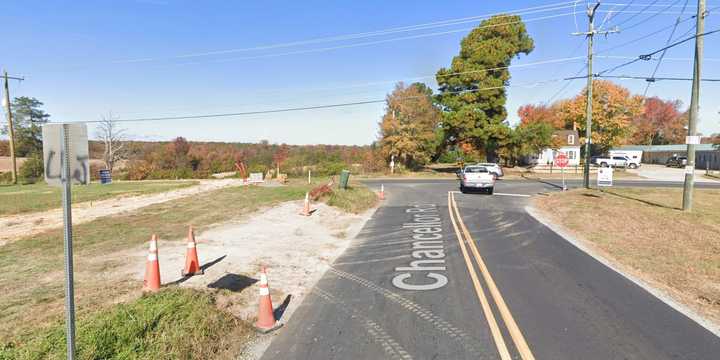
column 497, row 193
column 506, row 194
column 661, row 295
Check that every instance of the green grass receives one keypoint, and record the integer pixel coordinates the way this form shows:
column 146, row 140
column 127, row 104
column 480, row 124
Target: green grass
column 19, row 199
column 177, row 323
column 355, row 199
column 31, row 269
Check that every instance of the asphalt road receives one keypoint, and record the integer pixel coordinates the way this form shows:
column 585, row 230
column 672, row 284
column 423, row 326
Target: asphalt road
column 422, row 282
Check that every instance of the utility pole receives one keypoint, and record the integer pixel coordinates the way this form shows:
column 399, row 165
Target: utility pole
column 11, row 129
column 588, row 121
column 693, row 138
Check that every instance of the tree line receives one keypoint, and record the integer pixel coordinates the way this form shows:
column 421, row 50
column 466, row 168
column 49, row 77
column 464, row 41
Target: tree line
column 467, row 117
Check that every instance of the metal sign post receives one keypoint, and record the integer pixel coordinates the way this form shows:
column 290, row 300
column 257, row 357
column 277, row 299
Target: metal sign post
column 66, row 161
column 561, row 161
column 67, row 220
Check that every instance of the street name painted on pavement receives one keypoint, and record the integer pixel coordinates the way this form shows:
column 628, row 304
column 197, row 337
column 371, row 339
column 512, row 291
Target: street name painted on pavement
column 428, row 249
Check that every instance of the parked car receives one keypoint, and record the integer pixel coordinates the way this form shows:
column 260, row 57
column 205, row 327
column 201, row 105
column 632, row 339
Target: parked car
column 614, row 161
column 634, row 157
column 493, row 168
column 477, row 178
column 676, row 161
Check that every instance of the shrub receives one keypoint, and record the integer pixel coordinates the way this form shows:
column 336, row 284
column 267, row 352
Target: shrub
column 31, row 170
column 138, row 170
column 330, row 168
column 5, row 177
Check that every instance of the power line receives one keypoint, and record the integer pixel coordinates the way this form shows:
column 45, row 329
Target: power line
column 648, row 56
column 635, row 77
column 625, row 57
column 316, row 107
column 636, row 14
column 643, row 37
column 567, row 84
column 361, row 35
column 652, row 16
column 525, row 11
column 375, row 42
column 669, row 39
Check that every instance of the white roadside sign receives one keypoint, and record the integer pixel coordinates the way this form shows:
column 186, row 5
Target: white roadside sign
column 605, row 176
column 256, row 178
column 53, row 153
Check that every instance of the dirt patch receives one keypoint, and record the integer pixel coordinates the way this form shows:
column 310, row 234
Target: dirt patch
column 296, row 249
column 642, row 232
column 24, row 225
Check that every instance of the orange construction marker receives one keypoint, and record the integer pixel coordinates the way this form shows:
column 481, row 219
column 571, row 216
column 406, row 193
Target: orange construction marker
column 152, row 268
column 192, row 264
column 266, row 318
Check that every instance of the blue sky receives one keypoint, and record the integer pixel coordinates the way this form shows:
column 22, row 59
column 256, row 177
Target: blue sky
column 153, row 58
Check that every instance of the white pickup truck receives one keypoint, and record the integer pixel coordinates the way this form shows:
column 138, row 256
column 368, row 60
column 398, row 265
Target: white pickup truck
column 475, row 177
column 616, row 161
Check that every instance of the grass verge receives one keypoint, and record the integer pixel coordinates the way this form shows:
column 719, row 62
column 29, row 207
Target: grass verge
column 177, row 323
column 17, row 199
column 644, row 232
column 31, row 269
column 356, row 199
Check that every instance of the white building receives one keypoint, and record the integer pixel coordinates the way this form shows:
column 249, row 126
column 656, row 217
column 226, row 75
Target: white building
column 569, row 141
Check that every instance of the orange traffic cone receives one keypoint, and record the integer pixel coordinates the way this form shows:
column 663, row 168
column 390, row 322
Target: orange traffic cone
column 266, row 318
column 306, row 207
column 152, row 269
column 382, row 192
column 192, row 264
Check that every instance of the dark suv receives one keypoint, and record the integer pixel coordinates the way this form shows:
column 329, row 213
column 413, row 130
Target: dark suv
column 676, row 161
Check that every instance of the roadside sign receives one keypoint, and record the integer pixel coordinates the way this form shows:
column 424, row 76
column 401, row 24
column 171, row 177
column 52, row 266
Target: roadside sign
column 605, row 176
column 694, row 140
column 66, row 160
column 561, row 160
column 53, row 153
column 255, row 178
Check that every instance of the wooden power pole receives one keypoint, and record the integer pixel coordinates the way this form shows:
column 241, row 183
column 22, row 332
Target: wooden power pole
column 11, row 129
column 588, row 120
column 693, row 138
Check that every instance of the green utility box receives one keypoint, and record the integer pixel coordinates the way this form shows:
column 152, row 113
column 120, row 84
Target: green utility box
column 344, row 178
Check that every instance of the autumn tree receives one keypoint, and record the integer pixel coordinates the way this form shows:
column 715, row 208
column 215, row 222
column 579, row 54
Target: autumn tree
column 614, row 109
column 409, row 128
column 472, row 91
column 280, row 156
column 660, row 123
column 542, row 113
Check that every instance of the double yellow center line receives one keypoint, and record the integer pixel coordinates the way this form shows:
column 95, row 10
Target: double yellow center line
column 466, row 241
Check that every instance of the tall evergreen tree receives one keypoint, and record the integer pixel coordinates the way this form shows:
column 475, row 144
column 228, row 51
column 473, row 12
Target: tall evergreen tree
column 475, row 116
column 28, row 119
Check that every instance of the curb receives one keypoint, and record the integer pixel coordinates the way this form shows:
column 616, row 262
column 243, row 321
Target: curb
column 659, row 294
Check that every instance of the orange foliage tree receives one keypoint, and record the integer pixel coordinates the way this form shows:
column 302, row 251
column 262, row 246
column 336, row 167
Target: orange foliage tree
column 660, row 123
column 614, row 109
column 542, row 113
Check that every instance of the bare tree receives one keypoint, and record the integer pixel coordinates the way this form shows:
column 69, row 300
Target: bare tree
column 113, row 137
